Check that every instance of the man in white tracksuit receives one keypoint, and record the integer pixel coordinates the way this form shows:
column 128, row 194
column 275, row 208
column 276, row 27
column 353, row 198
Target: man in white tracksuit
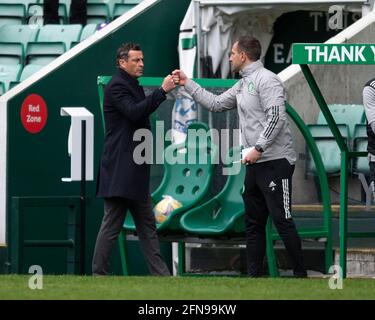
column 260, row 101
column 369, row 104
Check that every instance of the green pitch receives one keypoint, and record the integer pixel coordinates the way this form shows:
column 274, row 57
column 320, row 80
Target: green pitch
column 212, row 288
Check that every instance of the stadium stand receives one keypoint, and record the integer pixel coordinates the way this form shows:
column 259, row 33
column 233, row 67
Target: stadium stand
column 13, row 42
column 27, row 71
column 98, row 13
column 25, row 41
column 52, row 41
column 12, row 13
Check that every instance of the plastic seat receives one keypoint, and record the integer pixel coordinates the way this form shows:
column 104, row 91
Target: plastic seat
column 52, row 41
column 186, row 182
column 223, row 214
column 18, row 33
column 11, row 53
column 35, row 13
column 134, row 2
column 9, row 73
column 42, row 53
column 121, row 8
column 346, row 116
column 360, row 139
column 328, row 148
column 23, row 2
column 98, row 13
column 29, row 70
column 88, row 31
column 110, row 3
column 12, row 13
column 66, row 4
column 349, row 114
column 13, row 41
column 60, row 33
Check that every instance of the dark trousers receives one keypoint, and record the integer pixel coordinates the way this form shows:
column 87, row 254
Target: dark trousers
column 78, row 12
column 268, row 187
column 113, row 221
column 372, row 178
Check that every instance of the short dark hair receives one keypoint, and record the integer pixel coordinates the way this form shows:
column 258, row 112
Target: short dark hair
column 123, row 51
column 251, row 46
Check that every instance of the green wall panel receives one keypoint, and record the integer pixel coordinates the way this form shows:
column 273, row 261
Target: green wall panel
column 37, row 162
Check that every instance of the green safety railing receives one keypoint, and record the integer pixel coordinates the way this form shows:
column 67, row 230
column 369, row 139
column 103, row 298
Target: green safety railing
column 362, row 54
column 318, row 232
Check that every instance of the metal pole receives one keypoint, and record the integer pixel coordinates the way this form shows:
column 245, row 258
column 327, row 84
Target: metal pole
column 197, row 19
column 198, row 72
column 343, row 211
column 323, row 107
column 83, row 198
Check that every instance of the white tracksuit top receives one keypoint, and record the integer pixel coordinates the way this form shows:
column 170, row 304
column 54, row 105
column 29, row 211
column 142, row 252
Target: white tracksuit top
column 260, row 100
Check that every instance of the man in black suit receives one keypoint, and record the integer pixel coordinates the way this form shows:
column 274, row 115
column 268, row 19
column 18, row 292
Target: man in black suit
column 121, row 182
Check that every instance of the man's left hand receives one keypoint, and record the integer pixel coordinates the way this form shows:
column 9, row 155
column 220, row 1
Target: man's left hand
column 252, row 157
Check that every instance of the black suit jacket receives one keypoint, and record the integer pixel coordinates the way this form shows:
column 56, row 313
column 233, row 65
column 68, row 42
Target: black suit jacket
column 126, row 109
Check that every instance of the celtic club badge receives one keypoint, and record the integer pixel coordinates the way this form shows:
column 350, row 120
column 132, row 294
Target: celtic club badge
column 251, row 88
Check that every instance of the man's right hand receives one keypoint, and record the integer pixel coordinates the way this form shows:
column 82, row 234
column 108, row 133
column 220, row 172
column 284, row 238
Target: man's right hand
column 181, row 76
column 168, row 84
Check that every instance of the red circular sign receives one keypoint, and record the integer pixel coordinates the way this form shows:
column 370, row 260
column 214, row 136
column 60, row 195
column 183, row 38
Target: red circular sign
column 34, row 113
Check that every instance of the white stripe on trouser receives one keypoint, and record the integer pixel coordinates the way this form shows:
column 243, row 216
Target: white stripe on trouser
column 285, row 183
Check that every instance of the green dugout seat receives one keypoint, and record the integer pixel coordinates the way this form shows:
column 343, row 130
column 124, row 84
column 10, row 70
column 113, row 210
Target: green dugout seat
column 328, row 147
column 360, row 164
column 185, row 180
column 223, row 214
column 348, row 114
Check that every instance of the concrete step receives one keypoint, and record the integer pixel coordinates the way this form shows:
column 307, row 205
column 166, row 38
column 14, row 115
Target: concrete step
column 360, row 261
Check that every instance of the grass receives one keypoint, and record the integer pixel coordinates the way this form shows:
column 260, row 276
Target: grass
column 182, row 288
